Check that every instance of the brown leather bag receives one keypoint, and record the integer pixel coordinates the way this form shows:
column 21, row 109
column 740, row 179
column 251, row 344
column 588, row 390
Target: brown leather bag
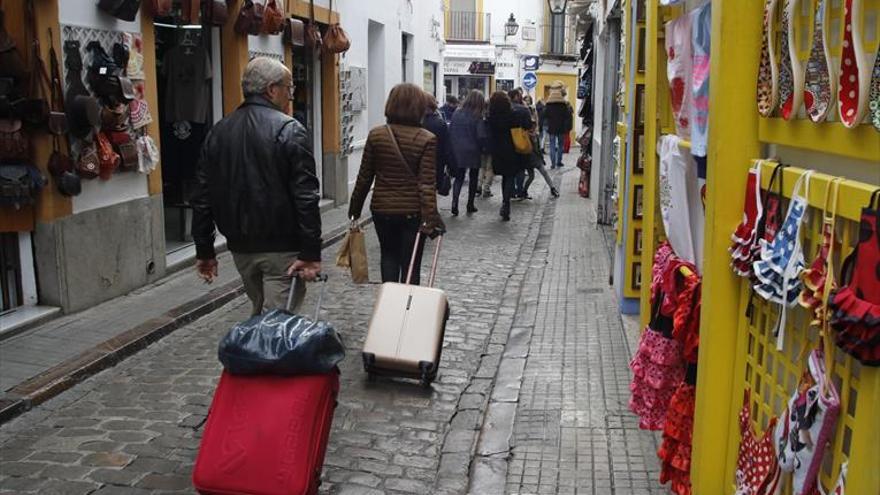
column 107, row 158
column 250, row 18
column 161, row 8
column 273, row 18
column 14, row 144
column 89, row 165
column 313, row 33
column 216, row 12
column 335, row 39
column 294, row 32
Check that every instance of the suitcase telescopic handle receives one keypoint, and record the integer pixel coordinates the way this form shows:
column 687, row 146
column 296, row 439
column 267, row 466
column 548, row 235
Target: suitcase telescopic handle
column 295, row 280
column 412, row 260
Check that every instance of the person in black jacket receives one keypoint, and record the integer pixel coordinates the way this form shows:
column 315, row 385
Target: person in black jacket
column 444, row 162
column 505, row 160
column 256, row 182
column 559, row 117
column 527, row 173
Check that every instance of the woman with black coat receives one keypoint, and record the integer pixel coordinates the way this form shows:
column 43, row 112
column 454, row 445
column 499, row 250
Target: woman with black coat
column 505, row 160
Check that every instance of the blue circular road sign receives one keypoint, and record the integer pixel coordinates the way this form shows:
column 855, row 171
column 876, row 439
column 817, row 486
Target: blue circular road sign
column 530, row 80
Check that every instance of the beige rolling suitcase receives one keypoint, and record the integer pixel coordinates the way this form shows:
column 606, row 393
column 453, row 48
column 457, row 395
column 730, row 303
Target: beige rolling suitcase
column 405, row 337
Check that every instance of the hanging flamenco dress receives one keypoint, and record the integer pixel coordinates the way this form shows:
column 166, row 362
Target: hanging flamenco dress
column 818, row 279
column 657, row 366
column 744, row 237
column 782, row 260
column 757, row 469
column 855, row 306
column 768, row 70
column 675, row 450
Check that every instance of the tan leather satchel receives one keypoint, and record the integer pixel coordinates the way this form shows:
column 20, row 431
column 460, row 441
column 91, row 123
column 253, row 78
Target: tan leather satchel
column 336, row 40
column 273, row 18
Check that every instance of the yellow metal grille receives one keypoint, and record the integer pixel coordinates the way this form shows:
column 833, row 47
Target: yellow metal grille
column 773, row 375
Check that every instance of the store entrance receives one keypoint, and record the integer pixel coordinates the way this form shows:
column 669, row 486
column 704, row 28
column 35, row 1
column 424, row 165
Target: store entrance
column 189, row 104
column 462, row 85
column 307, row 102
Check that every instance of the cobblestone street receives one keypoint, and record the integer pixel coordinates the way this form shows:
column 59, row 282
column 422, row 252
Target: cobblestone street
column 531, row 395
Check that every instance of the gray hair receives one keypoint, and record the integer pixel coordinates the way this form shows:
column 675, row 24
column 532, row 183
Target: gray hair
column 260, row 73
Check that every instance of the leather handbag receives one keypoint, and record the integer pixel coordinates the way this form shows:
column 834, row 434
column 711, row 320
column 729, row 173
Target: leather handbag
column 161, row 8
column 522, row 142
column 250, row 18
column 108, row 159
column 12, row 64
column 273, row 18
column 114, row 117
column 313, row 33
column 336, row 39
column 57, row 115
column 121, row 9
column 89, row 165
column 216, row 12
column 20, row 184
column 14, row 144
column 294, row 32
column 126, row 148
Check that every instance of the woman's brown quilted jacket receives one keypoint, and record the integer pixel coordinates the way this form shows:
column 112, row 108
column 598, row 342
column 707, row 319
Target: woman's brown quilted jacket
column 398, row 190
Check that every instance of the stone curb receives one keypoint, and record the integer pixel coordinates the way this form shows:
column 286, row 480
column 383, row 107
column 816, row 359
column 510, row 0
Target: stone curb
column 109, row 353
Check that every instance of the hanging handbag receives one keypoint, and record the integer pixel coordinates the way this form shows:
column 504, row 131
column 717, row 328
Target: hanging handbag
column 121, row 9
column 57, row 115
column 313, row 32
column 808, row 425
column 161, row 8
column 20, row 185
column 126, row 148
column 89, row 165
column 273, row 18
column 250, row 18
column 12, row 64
column 14, row 144
column 216, row 12
column 108, row 159
column 336, row 40
column 148, row 154
column 114, row 117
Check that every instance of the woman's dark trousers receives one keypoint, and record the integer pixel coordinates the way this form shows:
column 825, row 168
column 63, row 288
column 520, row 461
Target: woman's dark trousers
column 397, row 237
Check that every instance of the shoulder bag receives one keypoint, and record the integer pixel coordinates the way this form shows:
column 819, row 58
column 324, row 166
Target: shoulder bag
column 216, row 12
column 250, row 18
column 313, row 33
column 522, row 142
column 336, row 40
column 20, row 185
column 273, row 18
column 89, row 165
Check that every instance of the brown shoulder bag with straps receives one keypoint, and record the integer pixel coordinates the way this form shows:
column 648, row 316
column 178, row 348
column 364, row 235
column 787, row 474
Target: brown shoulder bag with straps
column 273, row 18
column 313, row 33
column 336, row 40
column 250, row 18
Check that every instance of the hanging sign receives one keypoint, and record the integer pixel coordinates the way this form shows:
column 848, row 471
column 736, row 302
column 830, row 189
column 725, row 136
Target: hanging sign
column 530, row 80
column 531, row 62
column 482, row 68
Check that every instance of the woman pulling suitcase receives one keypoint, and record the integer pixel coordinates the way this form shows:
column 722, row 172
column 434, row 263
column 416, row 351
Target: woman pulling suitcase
column 399, row 157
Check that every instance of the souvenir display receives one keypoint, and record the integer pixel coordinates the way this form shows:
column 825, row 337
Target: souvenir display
column 821, row 82
column 768, row 71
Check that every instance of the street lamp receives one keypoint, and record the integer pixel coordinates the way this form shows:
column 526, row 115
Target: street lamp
column 558, row 6
column 511, row 28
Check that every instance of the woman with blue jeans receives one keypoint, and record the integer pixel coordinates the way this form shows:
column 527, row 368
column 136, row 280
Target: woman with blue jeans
column 559, row 118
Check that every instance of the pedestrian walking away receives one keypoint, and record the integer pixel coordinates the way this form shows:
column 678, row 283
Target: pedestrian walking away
column 448, row 109
column 256, row 184
column 444, row 160
column 468, row 132
column 559, row 117
column 527, row 172
column 537, row 159
column 542, row 125
column 399, row 157
column 505, row 160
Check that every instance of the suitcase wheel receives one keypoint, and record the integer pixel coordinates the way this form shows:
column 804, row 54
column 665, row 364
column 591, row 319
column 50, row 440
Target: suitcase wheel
column 427, row 373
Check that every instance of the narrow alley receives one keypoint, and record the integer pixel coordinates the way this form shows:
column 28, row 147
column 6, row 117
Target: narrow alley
column 531, row 396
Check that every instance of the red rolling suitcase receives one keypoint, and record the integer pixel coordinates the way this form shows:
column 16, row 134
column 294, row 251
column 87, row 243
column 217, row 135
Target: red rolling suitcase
column 266, row 435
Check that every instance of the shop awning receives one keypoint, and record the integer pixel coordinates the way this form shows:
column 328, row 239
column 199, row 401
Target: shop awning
column 474, row 53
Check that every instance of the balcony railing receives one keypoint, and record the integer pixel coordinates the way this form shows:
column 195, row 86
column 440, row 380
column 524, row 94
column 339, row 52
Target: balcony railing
column 560, row 40
column 468, row 26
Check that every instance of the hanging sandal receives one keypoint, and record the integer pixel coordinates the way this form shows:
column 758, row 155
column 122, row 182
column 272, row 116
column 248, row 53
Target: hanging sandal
column 874, row 105
column 768, row 72
column 786, row 69
column 820, row 82
column 857, row 64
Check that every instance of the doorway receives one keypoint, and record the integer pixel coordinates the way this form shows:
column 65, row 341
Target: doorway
column 376, row 74
column 306, row 72
column 189, row 94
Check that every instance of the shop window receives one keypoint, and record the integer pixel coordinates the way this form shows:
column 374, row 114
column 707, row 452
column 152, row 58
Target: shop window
column 557, row 33
column 430, row 78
